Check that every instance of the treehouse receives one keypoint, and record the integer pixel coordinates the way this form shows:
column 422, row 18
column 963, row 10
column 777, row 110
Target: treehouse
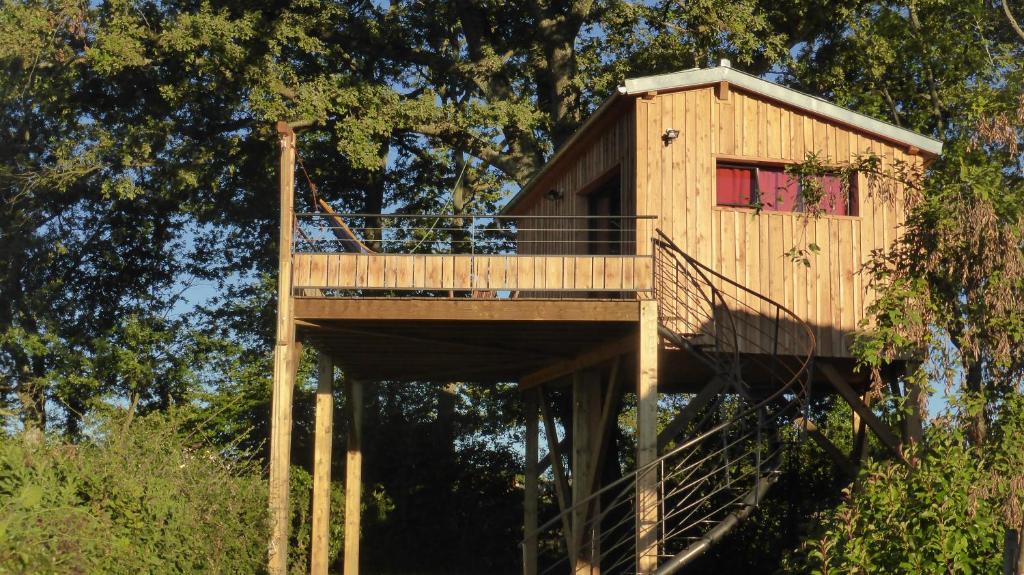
column 664, row 249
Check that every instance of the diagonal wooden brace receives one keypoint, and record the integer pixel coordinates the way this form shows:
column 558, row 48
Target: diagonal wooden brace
column 716, row 385
column 561, row 483
column 882, row 431
column 827, row 446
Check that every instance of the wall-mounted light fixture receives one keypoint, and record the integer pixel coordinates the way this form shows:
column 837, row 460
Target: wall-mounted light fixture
column 669, row 135
column 553, row 195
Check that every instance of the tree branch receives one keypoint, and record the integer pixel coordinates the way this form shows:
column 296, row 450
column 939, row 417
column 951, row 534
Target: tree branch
column 1013, row 21
column 519, row 167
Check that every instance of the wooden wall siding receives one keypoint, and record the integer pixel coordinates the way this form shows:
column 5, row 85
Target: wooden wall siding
column 532, row 274
column 677, row 183
column 610, row 145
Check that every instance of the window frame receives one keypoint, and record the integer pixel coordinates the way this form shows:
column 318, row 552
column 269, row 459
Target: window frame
column 755, row 166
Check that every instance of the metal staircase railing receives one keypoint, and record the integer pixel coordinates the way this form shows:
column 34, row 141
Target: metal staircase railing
column 723, row 449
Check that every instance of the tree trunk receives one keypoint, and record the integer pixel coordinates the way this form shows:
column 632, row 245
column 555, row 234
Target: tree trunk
column 977, row 424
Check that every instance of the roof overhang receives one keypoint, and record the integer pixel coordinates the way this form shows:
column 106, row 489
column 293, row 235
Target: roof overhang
column 697, row 77
column 783, row 95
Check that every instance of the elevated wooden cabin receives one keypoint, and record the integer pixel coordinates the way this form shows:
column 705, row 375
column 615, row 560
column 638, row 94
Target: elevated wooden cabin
column 693, row 147
column 650, row 256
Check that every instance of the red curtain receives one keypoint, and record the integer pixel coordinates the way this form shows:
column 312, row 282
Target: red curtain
column 734, row 186
column 779, row 192
column 833, row 201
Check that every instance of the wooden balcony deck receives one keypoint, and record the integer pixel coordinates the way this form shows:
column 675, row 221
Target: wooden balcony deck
column 468, row 272
column 459, row 339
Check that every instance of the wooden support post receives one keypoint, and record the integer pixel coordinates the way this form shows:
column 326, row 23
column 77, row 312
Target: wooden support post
column 860, row 433
column 530, row 491
column 586, row 413
column 1019, row 567
column 913, row 425
column 321, row 530
column 285, row 364
column 609, row 413
column 647, row 440
column 353, row 473
column 543, row 462
column 715, row 386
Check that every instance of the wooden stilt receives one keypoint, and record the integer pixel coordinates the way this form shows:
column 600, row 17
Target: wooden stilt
column 543, row 461
column 914, row 423
column 647, row 440
column 530, row 488
column 285, row 364
column 586, row 392
column 353, row 474
column 708, row 393
column 320, row 544
column 609, row 411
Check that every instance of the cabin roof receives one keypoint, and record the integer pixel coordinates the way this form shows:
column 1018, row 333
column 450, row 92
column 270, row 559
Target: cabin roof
column 696, row 77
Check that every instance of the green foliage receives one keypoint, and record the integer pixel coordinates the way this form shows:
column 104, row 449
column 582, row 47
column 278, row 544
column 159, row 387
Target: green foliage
column 148, row 497
column 946, row 515
column 300, row 484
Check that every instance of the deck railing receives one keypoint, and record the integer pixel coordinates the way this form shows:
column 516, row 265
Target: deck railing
column 482, row 255
column 468, row 234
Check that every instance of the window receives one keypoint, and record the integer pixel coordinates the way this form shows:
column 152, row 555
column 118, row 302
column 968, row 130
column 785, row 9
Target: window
column 771, row 188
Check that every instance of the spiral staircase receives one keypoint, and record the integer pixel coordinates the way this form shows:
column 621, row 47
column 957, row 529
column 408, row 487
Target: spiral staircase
column 722, row 450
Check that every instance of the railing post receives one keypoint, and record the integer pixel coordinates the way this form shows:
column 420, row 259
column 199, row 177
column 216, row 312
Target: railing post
column 757, row 457
column 661, row 500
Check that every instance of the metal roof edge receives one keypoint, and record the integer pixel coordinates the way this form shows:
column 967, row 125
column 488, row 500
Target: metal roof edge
column 789, row 96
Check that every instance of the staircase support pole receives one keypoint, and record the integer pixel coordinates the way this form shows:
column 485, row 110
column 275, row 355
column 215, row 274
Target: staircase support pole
column 647, row 440
column 353, row 473
column 860, row 432
column 321, row 529
column 286, row 353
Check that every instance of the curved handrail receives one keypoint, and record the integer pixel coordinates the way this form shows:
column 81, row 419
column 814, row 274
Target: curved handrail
column 610, row 531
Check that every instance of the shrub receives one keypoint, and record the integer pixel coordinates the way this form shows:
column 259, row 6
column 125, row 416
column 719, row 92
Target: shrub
column 149, row 498
column 947, row 515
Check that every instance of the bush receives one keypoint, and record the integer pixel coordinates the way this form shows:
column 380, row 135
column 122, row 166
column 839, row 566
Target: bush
column 147, row 499
column 947, row 515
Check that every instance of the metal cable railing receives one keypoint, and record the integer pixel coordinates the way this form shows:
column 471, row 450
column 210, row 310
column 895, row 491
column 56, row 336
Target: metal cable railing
column 318, row 232
column 725, row 458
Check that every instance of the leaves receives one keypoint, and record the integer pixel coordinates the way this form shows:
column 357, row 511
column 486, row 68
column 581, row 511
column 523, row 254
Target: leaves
column 946, row 515
column 146, row 499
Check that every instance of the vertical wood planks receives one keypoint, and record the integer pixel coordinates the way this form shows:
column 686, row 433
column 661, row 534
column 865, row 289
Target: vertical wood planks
column 647, row 439
column 324, row 431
